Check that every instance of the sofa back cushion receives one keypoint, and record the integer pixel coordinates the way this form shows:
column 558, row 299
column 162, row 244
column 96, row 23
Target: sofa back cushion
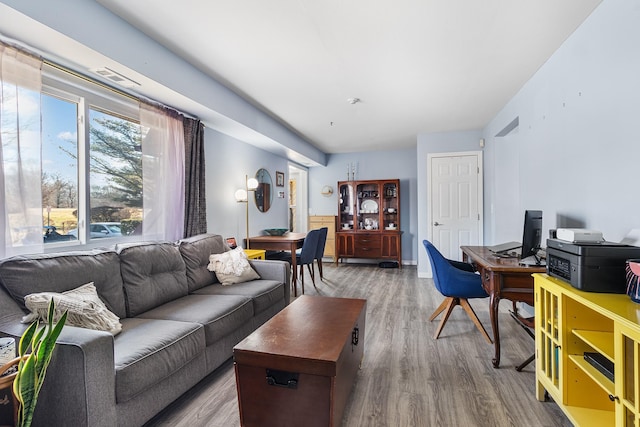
column 195, row 252
column 152, row 273
column 59, row 272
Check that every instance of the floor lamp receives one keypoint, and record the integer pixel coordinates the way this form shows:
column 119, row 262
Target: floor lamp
column 242, row 196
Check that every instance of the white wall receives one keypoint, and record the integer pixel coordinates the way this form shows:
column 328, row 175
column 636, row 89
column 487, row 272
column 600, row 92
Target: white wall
column 227, row 162
column 578, row 140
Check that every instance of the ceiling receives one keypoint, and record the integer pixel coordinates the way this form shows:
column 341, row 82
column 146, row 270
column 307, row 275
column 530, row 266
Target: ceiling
column 416, row 66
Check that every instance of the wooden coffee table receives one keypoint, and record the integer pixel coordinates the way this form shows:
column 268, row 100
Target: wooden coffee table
column 298, row 368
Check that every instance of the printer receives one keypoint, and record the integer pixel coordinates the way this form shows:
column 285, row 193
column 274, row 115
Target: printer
column 590, row 266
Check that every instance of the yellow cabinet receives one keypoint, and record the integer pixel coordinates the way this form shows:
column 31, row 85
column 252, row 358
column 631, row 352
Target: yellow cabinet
column 329, row 221
column 548, row 339
column 588, row 353
column 627, row 344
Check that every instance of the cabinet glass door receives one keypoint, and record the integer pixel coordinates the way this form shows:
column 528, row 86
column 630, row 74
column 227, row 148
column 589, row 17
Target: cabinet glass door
column 346, row 207
column 368, row 206
column 549, row 339
column 390, row 206
column 627, row 378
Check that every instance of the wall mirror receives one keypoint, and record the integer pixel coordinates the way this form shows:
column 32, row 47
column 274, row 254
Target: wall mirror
column 264, row 193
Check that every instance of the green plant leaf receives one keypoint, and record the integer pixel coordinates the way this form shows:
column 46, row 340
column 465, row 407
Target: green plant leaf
column 45, row 350
column 26, row 339
column 32, row 368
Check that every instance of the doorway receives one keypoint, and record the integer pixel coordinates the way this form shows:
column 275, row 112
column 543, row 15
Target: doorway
column 298, row 199
column 455, row 201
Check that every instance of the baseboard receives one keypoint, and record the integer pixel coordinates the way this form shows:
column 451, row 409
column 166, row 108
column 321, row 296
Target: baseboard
column 372, row 261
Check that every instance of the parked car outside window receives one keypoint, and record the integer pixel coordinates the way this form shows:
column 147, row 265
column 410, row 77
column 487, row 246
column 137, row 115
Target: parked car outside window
column 100, row 230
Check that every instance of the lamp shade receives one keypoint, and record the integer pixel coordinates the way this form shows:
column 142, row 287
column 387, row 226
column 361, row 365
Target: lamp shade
column 252, row 184
column 241, row 195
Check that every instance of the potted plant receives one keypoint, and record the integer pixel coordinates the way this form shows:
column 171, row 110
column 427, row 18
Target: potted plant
column 32, row 366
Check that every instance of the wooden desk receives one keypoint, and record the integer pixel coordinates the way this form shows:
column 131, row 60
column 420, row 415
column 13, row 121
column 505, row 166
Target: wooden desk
column 502, row 278
column 287, row 242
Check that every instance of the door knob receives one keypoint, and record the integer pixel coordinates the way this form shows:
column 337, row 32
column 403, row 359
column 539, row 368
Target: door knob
column 437, row 224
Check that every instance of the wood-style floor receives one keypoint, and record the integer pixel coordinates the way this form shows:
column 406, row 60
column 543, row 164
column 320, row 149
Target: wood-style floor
column 407, row 378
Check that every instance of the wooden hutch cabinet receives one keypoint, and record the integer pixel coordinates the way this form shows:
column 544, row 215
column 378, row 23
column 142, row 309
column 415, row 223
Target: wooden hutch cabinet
column 369, row 220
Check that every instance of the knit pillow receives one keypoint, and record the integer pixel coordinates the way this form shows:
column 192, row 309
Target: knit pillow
column 232, row 267
column 84, row 307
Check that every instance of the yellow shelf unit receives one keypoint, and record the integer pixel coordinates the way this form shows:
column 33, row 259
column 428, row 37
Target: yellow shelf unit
column 255, row 253
column 570, row 323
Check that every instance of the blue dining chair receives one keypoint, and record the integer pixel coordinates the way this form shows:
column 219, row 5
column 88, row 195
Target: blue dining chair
column 306, row 255
column 458, row 283
column 322, row 241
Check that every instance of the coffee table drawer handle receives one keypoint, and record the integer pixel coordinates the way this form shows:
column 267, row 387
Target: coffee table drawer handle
column 282, row 378
column 355, row 336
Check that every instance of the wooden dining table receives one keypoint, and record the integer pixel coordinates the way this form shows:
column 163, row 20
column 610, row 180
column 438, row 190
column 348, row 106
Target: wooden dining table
column 286, row 242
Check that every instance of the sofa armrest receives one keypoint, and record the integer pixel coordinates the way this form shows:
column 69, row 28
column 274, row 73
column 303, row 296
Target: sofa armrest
column 79, row 387
column 274, row 270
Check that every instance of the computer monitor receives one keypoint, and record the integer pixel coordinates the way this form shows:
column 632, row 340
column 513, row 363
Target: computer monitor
column 532, row 233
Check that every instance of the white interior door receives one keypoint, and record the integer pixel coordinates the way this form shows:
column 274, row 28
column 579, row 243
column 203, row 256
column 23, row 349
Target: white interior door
column 298, row 210
column 455, row 201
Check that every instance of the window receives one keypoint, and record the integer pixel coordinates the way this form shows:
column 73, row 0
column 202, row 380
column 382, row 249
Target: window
column 59, row 168
column 91, row 169
column 115, row 172
column 81, row 163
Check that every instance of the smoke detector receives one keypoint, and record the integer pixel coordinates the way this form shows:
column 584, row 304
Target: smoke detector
column 115, row 77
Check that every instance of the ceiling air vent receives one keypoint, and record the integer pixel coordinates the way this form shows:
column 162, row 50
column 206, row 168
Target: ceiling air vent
column 115, row 77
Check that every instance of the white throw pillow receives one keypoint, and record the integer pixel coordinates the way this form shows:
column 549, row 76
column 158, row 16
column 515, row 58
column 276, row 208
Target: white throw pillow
column 84, row 309
column 232, row 267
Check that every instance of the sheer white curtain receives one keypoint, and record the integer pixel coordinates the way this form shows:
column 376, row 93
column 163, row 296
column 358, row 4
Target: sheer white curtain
column 20, row 153
column 162, row 173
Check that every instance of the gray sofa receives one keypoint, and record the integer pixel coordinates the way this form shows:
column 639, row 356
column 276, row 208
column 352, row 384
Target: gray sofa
column 178, row 325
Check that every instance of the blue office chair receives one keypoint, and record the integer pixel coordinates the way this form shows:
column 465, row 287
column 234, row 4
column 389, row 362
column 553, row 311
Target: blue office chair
column 457, row 282
column 322, row 241
column 306, row 255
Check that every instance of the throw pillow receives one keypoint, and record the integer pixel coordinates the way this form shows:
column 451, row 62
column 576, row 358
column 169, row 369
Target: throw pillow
column 232, row 267
column 84, row 307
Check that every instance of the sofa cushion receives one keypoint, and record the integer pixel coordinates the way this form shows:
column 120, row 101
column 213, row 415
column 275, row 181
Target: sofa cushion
column 149, row 350
column 195, row 252
column 60, row 272
column 264, row 293
column 232, row 267
column 152, row 274
column 219, row 314
column 83, row 306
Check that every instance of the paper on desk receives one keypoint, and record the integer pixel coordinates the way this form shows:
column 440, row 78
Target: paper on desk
column 632, row 237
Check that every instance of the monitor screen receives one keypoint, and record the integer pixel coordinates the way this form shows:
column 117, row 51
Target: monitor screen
column 532, row 233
